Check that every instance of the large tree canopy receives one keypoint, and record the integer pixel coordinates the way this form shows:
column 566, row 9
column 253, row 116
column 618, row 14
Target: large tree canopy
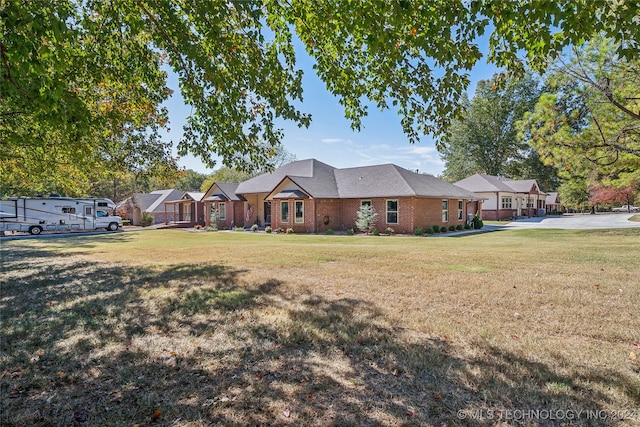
column 588, row 124
column 83, row 81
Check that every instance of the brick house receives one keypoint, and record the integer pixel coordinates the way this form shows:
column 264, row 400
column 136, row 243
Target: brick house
column 506, row 198
column 553, row 203
column 186, row 211
column 223, row 205
column 311, row 197
column 152, row 203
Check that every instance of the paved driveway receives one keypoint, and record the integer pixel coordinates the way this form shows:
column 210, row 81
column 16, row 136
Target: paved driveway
column 575, row 222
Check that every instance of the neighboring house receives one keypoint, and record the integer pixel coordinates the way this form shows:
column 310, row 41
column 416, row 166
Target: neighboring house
column 310, row 196
column 186, row 211
column 223, row 205
column 553, row 203
column 506, row 198
column 153, row 203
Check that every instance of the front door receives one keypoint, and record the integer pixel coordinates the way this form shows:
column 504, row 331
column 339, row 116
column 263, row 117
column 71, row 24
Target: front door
column 267, row 213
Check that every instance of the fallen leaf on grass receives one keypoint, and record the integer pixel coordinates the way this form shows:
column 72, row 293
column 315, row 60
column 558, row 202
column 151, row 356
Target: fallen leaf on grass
column 156, row 414
column 632, row 356
column 410, row 413
column 286, row 413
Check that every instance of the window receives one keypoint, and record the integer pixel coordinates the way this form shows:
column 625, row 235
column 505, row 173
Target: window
column 445, row 210
column 392, row 211
column 365, row 203
column 460, row 210
column 68, row 210
column 506, row 203
column 101, row 214
column 222, row 211
column 284, row 211
column 529, row 202
column 103, row 204
column 299, row 211
column 88, row 210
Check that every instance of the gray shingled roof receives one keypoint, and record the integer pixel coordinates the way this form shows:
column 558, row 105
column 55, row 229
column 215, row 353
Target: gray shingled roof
column 393, row 181
column 229, row 190
column 552, row 198
column 154, row 201
column 522, row 186
column 266, row 182
column 481, row 182
column 193, row 195
column 323, row 181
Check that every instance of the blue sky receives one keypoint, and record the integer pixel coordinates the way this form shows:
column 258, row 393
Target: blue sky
column 330, row 138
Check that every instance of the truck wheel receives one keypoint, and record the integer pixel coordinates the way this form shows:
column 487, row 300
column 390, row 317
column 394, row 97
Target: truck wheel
column 35, row 230
column 112, row 226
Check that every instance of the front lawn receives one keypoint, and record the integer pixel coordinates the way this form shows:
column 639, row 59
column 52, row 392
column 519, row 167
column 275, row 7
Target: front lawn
column 171, row 328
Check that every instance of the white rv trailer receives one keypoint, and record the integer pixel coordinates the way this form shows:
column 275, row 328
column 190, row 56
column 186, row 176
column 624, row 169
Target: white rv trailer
column 54, row 213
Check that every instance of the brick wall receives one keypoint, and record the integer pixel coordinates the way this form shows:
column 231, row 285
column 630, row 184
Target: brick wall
column 309, row 212
column 328, row 209
column 342, row 214
column 234, row 215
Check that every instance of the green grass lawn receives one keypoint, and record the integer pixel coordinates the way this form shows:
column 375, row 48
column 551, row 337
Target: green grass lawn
column 177, row 328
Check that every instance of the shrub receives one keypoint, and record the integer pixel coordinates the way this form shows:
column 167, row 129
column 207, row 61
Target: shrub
column 350, row 232
column 452, row 227
column 418, row 231
column 279, row 230
column 429, row 230
column 238, row 229
column 367, row 217
column 459, row 227
column 268, row 230
column 467, row 227
column 329, row 231
column 197, row 227
column 436, row 228
column 477, row 222
column 290, row 231
column 443, row 229
column 376, row 232
column 146, row 219
column 389, row 231
column 254, row 228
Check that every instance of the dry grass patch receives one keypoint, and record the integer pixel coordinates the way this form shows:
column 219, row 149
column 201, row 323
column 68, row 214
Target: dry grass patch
column 245, row 329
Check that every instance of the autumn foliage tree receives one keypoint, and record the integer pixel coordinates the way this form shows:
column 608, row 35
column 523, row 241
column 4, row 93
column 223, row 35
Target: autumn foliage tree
column 609, row 196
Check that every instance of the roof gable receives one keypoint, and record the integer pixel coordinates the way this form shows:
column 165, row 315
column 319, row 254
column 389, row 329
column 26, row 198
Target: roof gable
column 192, row 195
column 225, row 189
column 310, row 168
column 481, row 182
column 154, row 201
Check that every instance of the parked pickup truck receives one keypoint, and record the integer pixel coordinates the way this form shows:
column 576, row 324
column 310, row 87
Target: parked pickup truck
column 627, row 208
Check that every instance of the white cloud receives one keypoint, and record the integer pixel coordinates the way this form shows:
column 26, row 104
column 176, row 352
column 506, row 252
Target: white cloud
column 331, row 140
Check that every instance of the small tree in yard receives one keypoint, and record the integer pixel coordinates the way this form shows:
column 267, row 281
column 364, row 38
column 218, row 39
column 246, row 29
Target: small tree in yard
column 367, row 217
